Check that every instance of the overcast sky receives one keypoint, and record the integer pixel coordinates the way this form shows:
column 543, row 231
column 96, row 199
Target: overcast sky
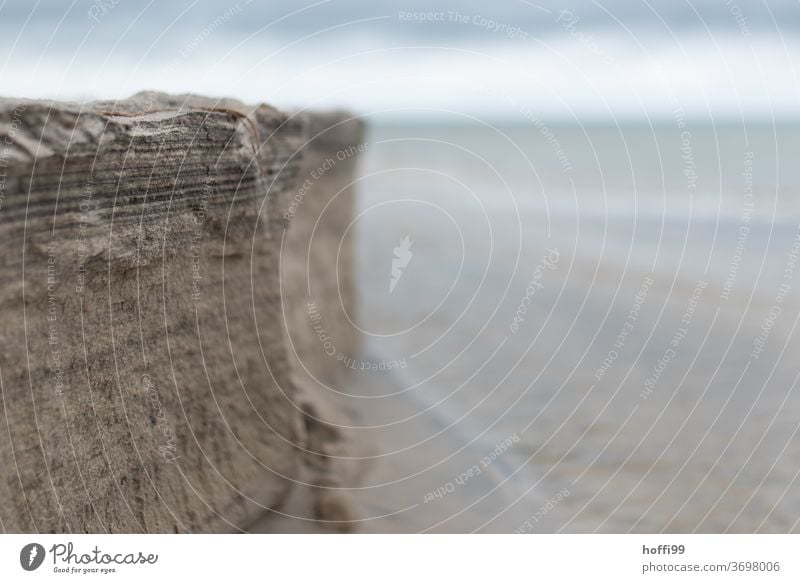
column 558, row 58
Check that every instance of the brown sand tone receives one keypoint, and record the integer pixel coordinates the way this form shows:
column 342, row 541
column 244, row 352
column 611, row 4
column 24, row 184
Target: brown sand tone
column 146, row 376
column 317, row 287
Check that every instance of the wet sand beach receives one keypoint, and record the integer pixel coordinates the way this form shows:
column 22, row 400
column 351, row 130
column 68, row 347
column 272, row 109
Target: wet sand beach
column 557, row 359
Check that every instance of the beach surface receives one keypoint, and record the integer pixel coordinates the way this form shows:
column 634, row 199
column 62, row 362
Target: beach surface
column 575, row 346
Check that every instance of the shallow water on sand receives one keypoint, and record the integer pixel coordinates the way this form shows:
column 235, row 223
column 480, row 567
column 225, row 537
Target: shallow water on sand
column 602, row 344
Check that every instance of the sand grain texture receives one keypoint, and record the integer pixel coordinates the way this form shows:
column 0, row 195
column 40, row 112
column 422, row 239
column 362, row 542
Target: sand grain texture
column 146, row 376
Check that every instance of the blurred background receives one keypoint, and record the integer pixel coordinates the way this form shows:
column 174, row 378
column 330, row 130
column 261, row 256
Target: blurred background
column 577, row 235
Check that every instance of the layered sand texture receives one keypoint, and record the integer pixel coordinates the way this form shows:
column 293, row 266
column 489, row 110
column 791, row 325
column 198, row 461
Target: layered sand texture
column 148, row 378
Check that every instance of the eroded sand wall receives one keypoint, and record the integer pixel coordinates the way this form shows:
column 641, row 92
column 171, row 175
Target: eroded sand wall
column 319, row 282
column 146, row 375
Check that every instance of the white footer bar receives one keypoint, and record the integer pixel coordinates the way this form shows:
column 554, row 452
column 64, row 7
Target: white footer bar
column 402, row 558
